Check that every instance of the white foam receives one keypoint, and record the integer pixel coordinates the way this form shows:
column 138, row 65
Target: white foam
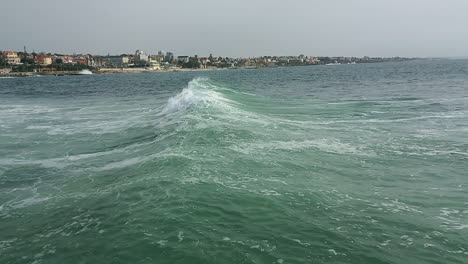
column 448, row 211
column 385, row 243
column 27, row 202
column 4, row 244
column 406, row 240
column 47, row 163
column 269, row 192
column 139, row 160
column 396, row 206
column 38, row 127
column 325, row 145
column 455, row 252
column 162, row 242
column 123, row 163
column 180, row 236
column 199, row 92
column 301, row 243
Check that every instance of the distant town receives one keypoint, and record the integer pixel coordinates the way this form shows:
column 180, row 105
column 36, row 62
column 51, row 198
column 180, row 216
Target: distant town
column 29, row 63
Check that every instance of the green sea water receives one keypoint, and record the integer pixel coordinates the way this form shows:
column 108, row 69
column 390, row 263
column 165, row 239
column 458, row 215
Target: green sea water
column 320, row 164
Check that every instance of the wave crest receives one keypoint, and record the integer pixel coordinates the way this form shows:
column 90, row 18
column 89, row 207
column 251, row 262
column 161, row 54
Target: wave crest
column 200, row 92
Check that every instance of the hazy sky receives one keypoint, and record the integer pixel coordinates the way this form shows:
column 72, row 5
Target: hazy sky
column 238, row 27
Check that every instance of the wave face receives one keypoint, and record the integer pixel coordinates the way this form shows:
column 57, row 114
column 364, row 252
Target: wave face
column 361, row 164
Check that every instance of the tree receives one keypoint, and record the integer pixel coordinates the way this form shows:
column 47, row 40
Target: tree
column 192, row 63
column 27, row 60
column 2, row 60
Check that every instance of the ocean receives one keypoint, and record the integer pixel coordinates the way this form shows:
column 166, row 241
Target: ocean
column 363, row 163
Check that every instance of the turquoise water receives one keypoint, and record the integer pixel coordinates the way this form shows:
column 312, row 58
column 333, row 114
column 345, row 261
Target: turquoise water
column 319, row 164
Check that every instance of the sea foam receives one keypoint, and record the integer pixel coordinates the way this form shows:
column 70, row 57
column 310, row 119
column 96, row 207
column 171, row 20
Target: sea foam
column 199, row 92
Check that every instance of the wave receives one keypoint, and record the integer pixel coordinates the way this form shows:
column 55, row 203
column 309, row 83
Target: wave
column 201, row 93
column 203, row 104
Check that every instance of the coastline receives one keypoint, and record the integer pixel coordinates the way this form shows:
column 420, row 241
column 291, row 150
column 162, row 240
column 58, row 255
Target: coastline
column 100, row 71
column 140, row 70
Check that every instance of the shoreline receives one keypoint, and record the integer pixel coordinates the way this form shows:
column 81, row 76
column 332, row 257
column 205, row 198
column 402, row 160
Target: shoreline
column 100, row 71
column 137, row 70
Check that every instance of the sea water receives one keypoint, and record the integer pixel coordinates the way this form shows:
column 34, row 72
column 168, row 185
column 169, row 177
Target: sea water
column 362, row 163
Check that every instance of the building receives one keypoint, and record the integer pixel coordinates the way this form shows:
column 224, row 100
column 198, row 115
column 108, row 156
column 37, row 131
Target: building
column 169, row 57
column 43, row 59
column 80, row 60
column 204, row 61
column 159, row 58
column 283, row 59
column 92, row 61
column 11, row 57
column 140, row 58
column 183, row 59
column 154, row 62
column 313, row 60
column 118, row 61
column 66, row 59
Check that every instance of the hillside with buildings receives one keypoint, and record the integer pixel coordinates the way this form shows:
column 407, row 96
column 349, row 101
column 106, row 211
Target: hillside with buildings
column 23, row 62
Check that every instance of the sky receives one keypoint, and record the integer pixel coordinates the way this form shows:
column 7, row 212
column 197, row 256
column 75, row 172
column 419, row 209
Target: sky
column 238, row 28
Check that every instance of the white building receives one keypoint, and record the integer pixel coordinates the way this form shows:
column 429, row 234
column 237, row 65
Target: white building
column 154, row 62
column 120, row 61
column 140, row 57
column 11, row 57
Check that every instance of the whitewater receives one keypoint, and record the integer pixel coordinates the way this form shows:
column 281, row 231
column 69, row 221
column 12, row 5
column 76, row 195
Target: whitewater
column 357, row 163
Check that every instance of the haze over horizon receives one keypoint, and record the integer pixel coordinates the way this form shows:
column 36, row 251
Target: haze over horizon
column 419, row 28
